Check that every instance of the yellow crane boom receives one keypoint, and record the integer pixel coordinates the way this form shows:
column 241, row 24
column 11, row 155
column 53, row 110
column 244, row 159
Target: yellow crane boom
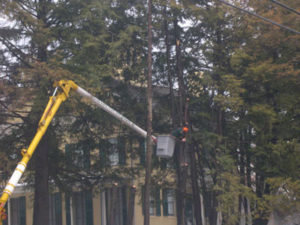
column 60, row 94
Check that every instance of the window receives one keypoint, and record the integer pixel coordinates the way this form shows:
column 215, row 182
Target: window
column 116, row 208
column 168, row 202
column 79, row 209
column 116, row 151
column 18, row 211
column 55, row 211
column 154, row 207
column 142, row 150
column 78, row 155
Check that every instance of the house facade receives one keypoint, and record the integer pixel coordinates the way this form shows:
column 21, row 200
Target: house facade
column 116, row 202
column 87, row 208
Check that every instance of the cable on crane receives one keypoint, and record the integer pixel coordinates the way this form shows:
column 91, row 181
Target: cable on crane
column 285, row 6
column 260, row 17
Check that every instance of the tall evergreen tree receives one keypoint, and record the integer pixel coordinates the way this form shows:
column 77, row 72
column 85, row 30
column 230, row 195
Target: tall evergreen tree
column 241, row 75
column 149, row 119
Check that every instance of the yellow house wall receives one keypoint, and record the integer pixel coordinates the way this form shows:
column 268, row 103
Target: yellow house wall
column 63, row 209
column 97, row 209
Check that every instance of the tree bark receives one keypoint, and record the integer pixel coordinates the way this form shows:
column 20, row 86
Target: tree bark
column 41, row 200
column 241, row 160
column 261, row 189
column 170, row 80
column 149, row 119
column 41, row 193
column 195, row 187
column 181, row 167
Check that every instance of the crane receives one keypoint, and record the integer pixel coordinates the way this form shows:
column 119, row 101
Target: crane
column 60, row 94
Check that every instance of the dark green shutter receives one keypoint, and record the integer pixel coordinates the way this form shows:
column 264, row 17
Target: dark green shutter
column 122, row 150
column 103, row 157
column 89, row 207
column 68, row 153
column 124, row 203
column 68, row 213
column 57, row 208
column 86, row 159
column 165, row 202
column 107, row 202
column 143, row 200
column 189, row 209
column 157, row 201
column 142, row 151
column 155, row 159
column 22, row 201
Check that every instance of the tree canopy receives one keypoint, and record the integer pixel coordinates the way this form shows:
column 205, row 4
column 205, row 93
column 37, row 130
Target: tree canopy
column 233, row 78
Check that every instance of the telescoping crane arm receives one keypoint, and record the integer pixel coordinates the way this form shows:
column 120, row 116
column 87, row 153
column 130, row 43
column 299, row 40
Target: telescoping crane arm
column 61, row 93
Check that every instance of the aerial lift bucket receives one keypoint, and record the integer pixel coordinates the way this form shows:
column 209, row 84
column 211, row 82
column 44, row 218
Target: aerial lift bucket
column 165, row 146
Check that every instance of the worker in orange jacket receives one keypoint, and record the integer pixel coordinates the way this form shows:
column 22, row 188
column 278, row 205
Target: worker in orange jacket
column 180, row 133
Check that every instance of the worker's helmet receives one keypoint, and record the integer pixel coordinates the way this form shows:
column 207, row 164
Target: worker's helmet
column 185, row 129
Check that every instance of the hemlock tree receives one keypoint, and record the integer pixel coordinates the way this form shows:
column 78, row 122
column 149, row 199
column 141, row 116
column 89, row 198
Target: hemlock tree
column 79, row 37
column 149, row 120
column 32, row 40
column 31, row 23
column 241, row 77
column 266, row 65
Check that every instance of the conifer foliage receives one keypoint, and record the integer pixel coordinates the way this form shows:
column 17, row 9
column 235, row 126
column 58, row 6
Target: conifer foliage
column 233, row 78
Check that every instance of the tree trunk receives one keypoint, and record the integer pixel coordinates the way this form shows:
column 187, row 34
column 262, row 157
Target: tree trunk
column 41, row 194
column 170, row 80
column 149, row 120
column 180, row 200
column 248, row 174
column 245, row 169
column 260, row 191
column 195, row 187
column 241, row 160
column 181, row 167
column 205, row 193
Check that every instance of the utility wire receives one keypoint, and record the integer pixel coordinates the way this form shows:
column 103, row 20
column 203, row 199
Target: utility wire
column 260, row 17
column 285, row 6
